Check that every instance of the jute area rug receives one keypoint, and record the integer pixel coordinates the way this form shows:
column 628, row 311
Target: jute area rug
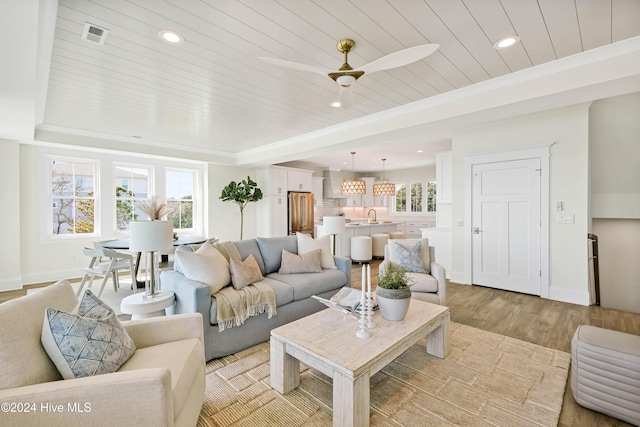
column 486, row 380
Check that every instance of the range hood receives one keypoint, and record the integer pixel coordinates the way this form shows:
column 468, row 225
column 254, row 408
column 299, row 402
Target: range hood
column 332, row 184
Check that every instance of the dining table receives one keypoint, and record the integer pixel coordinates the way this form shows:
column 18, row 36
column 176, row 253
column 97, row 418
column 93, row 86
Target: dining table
column 123, row 244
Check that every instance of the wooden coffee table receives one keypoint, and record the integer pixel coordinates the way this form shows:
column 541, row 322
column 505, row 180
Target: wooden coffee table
column 329, row 344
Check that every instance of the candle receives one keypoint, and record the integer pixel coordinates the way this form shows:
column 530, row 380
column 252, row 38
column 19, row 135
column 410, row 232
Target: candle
column 369, row 279
column 364, row 282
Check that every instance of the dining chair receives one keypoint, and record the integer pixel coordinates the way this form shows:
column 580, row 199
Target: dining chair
column 114, row 261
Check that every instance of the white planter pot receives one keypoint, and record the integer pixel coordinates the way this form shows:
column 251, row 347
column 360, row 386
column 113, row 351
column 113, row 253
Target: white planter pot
column 393, row 304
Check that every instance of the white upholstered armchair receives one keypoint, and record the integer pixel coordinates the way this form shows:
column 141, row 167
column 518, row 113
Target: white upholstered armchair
column 429, row 286
column 161, row 384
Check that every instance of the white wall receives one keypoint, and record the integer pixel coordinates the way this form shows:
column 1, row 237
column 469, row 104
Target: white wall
column 10, row 215
column 567, row 128
column 31, row 258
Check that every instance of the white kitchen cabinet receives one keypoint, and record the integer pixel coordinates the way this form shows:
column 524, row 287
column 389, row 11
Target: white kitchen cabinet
column 272, row 216
column 272, row 180
column 317, row 190
column 367, row 198
column 413, row 229
column 299, row 180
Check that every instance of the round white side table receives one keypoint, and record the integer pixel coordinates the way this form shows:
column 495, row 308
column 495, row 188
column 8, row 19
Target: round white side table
column 141, row 306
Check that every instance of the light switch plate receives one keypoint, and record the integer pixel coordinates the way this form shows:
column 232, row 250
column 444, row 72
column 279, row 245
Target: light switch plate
column 565, row 219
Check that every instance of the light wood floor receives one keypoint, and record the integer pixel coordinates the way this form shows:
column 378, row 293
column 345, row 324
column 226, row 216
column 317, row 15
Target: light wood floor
column 528, row 318
column 536, row 320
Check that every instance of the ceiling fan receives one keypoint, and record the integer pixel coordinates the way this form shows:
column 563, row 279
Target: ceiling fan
column 346, row 76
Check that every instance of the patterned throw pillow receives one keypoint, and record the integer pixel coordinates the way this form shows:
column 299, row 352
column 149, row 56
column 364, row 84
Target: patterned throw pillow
column 206, row 265
column 92, row 342
column 306, row 243
column 304, row 263
column 409, row 259
column 244, row 273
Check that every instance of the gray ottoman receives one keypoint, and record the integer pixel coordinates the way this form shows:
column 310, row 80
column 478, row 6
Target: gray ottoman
column 605, row 372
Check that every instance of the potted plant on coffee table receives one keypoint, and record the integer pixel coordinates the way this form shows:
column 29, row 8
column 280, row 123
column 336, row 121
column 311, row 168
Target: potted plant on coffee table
column 394, row 292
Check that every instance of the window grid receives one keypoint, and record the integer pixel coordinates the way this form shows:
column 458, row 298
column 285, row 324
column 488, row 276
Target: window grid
column 72, row 196
column 420, row 197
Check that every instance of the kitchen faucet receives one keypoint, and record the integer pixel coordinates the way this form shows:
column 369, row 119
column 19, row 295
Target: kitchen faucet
column 375, row 219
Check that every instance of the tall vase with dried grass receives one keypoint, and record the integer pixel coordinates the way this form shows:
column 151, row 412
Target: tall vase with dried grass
column 154, row 208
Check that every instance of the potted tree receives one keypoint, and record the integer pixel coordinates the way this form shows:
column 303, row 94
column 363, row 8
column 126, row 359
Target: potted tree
column 394, row 292
column 241, row 193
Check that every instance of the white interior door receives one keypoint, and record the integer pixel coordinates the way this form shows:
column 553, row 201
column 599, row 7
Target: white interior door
column 506, row 225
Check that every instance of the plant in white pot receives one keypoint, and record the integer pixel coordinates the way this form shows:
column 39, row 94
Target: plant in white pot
column 394, row 292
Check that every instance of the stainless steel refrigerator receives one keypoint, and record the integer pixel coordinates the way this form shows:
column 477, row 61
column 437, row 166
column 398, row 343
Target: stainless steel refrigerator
column 300, row 212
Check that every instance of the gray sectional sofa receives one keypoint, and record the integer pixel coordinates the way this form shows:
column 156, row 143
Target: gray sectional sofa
column 292, row 291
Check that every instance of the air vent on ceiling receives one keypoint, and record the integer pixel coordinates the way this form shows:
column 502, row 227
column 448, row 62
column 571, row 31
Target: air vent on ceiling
column 94, row 34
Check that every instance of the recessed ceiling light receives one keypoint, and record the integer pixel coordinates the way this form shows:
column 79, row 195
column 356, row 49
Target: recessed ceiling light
column 171, row 37
column 335, row 104
column 419, row 151
column 506, row 42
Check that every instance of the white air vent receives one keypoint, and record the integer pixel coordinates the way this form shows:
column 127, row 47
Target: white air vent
column 94, row 34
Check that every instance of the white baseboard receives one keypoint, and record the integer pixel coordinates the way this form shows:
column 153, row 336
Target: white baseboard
column 51, row 276
column 565, row 295
column 10, row 284
column 458, row 277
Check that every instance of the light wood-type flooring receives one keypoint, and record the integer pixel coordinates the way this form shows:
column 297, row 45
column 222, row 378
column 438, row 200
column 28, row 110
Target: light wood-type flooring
column 533, row 319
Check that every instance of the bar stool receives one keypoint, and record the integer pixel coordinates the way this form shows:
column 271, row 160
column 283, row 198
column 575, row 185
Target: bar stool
column 378, row 240
column 396, row 235
column 361, row 249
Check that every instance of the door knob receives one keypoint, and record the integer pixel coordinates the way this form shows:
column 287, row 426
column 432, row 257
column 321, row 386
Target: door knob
column 476, row 230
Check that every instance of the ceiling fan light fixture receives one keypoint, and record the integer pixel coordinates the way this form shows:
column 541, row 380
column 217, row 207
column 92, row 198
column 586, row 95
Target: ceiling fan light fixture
column 346, row 80
column 506, row 42
column 353, row 186
column 384, row 188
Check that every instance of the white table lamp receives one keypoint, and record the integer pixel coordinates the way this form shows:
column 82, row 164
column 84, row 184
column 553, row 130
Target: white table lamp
column 333, row 225
column 150, row 237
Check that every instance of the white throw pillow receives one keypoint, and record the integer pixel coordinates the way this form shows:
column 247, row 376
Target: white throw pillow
column 206, row 265
column 306, row 243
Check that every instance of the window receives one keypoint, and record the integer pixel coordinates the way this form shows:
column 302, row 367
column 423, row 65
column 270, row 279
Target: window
column 73, row 198
column 420, row 197
column 131, row 188
column 180, row 188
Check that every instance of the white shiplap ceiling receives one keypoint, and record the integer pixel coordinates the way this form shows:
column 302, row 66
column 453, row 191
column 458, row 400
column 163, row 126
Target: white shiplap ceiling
column 212, row 97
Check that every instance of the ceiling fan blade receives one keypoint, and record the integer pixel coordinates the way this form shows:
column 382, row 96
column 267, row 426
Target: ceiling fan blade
column 294, row 65
column 400, row 58
column 346, row 97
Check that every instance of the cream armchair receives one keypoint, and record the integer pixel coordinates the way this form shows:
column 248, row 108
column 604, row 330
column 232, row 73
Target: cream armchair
column 162, row 384
column 427, row 287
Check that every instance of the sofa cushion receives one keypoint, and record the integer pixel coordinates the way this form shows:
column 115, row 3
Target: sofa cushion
column 306, row 243
column 245, row 272
column 92, row 342
column 24, row 360
column 247, row 247
column 184, row 360
column 206, row 265
column 283, row 292
column 423, row 282
column 304, row 263
column 271, row 250
column 305, row 285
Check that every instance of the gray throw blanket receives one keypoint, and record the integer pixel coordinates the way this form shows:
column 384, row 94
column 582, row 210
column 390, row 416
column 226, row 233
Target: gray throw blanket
column 235, row 306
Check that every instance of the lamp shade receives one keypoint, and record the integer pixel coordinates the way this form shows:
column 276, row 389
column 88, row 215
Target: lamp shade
column 150, row 236
column 384, row 189
column 333, row 224
column 353, row 186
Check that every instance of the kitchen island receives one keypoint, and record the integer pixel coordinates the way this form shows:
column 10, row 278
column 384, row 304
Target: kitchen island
column 343, row 244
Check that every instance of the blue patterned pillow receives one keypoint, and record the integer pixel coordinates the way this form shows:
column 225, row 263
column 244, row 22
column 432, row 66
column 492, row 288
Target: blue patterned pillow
column 91, row 342
column 409, row 259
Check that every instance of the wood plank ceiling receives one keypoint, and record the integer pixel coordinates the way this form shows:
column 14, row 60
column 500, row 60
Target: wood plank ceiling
column 213, row 93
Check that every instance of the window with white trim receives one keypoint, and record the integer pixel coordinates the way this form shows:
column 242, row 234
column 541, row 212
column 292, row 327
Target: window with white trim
column 132, row 186
column 415, row 197
column 72, row 196
column 180, row 188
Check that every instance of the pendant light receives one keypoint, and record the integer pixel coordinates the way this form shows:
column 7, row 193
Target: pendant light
column 385, row 188
column 353, row 186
